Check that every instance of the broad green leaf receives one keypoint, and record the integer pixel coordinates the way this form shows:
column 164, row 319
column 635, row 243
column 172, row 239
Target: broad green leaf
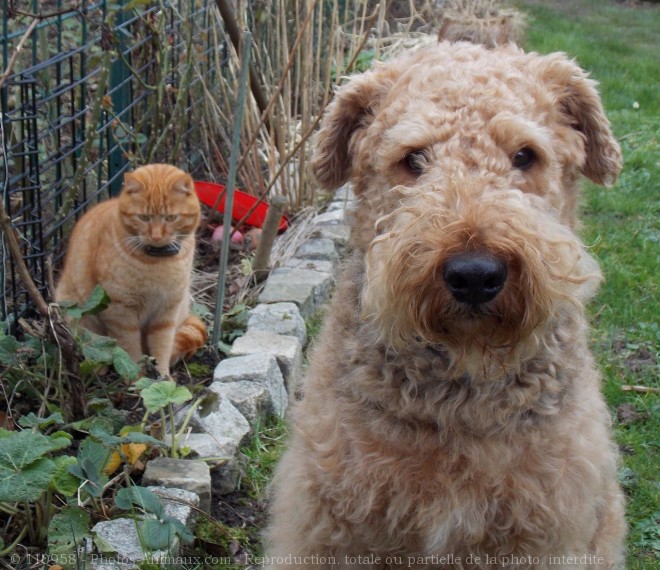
column 60, row 440
column 92, row 458
column 124, row 365
column 141, row 497
column 100, row 432
column 104, row 409
column 160, row 394
column 67, row 533
column 136, row 437
column 97, row 340
column 26, row 483
column 181, row 530
column 63, row 481
column 8, row 350
column 143, row 383
column 97, row 354
column 155, row 534
column 98, row 301
column 20, row 449
column 31, row 420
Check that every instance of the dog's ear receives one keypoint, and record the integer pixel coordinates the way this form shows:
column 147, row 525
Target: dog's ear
column 345, row 117
column 578, row 98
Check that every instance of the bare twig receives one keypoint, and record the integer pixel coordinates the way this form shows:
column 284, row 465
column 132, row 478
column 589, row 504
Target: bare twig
column 39, row 16
column 234, row 32
column 11, row 235
column 17, row 51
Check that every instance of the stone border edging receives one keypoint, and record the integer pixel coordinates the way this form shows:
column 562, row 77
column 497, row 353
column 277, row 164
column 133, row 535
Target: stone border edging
column 255, row 382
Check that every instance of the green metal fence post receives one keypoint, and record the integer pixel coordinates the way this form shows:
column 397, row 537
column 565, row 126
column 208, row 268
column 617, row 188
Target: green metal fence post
column 121, row 91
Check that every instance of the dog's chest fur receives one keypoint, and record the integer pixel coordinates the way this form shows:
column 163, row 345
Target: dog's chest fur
column 412, row 444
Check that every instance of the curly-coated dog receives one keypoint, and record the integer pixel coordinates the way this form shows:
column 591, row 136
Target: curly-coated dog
column 452, row 414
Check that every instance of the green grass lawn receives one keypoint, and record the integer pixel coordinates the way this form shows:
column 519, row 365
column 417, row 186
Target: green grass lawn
column 620, row 45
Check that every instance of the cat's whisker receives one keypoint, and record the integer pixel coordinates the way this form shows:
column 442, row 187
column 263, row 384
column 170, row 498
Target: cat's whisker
column 133, row 243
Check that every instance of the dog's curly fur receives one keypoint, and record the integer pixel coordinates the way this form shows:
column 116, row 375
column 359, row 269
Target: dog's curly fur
column 435, row 433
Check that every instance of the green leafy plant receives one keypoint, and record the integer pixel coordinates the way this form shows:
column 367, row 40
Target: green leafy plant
column 157, row 529
column 234, row 324
column 68, row 534
column 161, row 397
column 98, row 351
column 29, row 474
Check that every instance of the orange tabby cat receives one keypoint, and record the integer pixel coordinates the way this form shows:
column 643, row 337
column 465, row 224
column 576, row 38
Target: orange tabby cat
column 139, row 247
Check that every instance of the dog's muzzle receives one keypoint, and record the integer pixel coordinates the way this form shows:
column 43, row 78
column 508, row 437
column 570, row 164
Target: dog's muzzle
column 474, row 278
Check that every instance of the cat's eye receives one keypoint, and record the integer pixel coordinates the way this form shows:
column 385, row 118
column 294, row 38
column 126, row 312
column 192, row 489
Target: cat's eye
column 171, row 217
column 144, row 217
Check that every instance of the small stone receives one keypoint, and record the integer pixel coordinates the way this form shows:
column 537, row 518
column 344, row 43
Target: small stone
column 221, row 421
column 339, row 234
column 251, row 399
column 188, row 474
column 306, row 288
column 286, row 349
column 318, row 248
column 313, row 264
column 178, row 503
column 259, row 368
column 119, row 547
column 280, row 318
column 333, row 218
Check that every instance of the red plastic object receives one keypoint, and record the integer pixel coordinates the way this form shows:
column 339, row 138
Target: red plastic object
column 208, row 192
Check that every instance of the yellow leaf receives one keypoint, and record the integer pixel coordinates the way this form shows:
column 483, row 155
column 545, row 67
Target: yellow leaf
column 132, row 453
column 113, row 463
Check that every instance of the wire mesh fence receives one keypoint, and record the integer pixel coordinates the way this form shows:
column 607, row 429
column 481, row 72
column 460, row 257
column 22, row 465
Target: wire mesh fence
column 92, row 89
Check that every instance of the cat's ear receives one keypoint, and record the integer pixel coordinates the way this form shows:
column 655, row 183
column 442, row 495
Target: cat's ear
column 131, row 184
column 185, row 185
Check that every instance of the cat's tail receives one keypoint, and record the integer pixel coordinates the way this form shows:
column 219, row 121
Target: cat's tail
column 190, row 337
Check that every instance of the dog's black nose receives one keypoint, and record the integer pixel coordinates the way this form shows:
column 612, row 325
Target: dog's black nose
column 475, row 277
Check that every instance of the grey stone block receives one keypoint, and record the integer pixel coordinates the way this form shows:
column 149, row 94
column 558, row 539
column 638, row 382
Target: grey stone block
column 118, row 542
column 332, row 218
column 211, row 449
column 119, row 548
column 188, row 474
column 318, row 248
column 222, row 421
column 260, row 368
column 250, row 398
column 306, row 288
column 280, row 318
column 222, row 456
column 178, row 503
column 286, row 349
column 339, row 234
column 313, row 264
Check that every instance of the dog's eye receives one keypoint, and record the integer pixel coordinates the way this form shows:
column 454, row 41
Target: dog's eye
column 524, row 159
column 415, row 161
